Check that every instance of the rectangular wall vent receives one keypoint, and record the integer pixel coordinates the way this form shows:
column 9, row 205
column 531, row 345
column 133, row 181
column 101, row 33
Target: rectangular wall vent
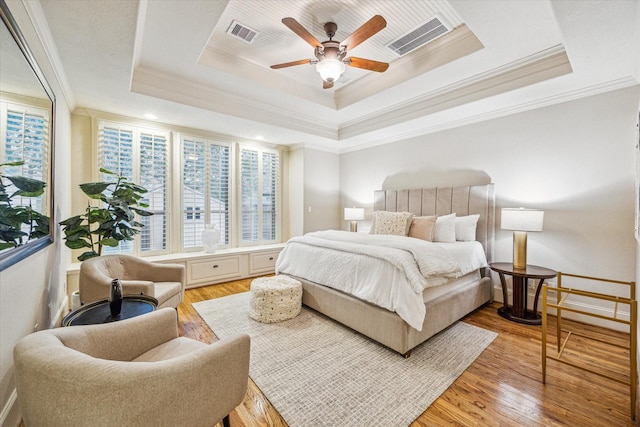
column 242, row 32
column 422, row 35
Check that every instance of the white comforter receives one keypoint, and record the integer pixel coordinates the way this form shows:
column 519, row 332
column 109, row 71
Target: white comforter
column 389, row 271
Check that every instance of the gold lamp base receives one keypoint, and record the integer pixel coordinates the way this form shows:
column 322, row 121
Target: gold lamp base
column 520, row 250
column 353, row 227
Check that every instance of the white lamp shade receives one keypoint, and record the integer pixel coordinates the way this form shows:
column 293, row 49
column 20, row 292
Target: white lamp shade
column 330, row 69
column 353, row 214
column 521, row 219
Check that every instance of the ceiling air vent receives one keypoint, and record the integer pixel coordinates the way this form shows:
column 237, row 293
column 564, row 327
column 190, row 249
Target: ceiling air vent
column 419, row 37
column 242, row 32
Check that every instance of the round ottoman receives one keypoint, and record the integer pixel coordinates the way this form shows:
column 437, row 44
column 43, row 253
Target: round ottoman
column 274, row 299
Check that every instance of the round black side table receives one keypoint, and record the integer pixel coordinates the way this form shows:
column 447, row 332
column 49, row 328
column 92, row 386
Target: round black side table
column 100, row 312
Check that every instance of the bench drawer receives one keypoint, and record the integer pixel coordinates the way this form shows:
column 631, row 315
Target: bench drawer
column 214, row 270
column 263, row 262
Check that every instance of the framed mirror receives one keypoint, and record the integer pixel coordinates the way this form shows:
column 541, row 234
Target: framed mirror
column 27, row 106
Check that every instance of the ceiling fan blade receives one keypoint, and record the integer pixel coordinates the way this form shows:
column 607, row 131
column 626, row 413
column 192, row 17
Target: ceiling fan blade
column 368, row 29
column 301, row 31
column 327, row 85
column 291, row 64
column 367, row 64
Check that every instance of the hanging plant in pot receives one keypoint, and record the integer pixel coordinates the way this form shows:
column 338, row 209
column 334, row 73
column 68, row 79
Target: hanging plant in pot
column 110, row 223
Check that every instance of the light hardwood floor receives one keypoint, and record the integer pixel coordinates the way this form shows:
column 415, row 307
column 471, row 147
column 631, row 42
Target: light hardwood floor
column 503, row 387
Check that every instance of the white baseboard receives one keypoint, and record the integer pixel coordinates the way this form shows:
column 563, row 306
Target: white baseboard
column 10, row 415
column 591, row 308
column 62, row 311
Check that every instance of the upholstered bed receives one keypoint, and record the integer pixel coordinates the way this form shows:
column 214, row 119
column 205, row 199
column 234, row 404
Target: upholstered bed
column 445, row 302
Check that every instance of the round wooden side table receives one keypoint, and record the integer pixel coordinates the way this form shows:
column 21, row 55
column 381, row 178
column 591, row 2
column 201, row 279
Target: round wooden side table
column 518, row 311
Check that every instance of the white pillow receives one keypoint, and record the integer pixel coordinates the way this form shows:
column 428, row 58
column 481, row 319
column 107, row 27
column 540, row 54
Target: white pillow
column 466, row 227
column 396, row 223
column 445, row 229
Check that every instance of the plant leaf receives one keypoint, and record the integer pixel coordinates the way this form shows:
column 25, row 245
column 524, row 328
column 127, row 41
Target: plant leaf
column 87, row 255
column 77, row 244
column 6, row 245
column 111, row 242
column 17, row 163
column 141, row 212
column 94, row 188
column 107, row 171
column 28, row 185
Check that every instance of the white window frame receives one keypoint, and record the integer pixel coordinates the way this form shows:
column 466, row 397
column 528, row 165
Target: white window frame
column 278, row 223
column 180, row 204
column 137, row 132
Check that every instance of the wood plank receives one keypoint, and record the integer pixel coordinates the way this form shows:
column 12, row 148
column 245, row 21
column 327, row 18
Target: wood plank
column 503, row 387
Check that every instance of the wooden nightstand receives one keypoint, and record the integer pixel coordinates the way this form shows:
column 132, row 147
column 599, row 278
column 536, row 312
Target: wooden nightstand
column 518, row 311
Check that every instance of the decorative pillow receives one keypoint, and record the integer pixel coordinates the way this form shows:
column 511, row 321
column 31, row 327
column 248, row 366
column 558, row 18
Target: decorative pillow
column 445, row 229
column 466, row 227
column 396, row 223
column 422, row 227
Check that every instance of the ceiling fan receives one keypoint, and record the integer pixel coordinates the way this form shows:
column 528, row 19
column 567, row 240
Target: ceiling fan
column 331, row 56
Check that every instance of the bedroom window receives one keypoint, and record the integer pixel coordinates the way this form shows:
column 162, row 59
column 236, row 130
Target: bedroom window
column 142, row 156
column 205, row 190
column 25, row 132
column 259, row 195
column 233, row 186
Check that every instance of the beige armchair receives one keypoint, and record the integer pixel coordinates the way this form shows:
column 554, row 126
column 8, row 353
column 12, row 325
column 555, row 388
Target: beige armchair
column 135, row 372
column 164, row 282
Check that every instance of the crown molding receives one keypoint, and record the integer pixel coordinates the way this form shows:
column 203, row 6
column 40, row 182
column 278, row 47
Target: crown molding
column 228, row 62
column 450, row 47
column 176, row 89
column 550, row 63
column 541, row 66
column 547, row 101
column 538, row 67
column 41, row 26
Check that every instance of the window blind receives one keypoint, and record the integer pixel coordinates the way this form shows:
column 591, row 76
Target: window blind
column 115, row 153
column 26, row 138
column 259, row 195
column 153, row 177
column 205, row 189
column 141, row 156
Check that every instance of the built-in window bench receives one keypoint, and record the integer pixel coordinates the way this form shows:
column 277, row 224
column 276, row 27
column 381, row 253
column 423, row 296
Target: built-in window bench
column 208, row 268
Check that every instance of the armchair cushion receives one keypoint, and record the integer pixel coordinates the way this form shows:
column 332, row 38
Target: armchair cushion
column 132, row 372
column 164, row 282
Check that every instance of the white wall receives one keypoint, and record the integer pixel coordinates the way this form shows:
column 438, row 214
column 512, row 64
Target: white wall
column 33, row 290
column 575, row 160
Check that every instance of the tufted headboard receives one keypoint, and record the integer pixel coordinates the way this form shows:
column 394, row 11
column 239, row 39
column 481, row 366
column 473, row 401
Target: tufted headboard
column 463, row 200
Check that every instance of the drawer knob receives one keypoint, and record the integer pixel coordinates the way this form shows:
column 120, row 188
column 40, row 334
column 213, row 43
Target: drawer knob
column 215, row 266
column 270, row 258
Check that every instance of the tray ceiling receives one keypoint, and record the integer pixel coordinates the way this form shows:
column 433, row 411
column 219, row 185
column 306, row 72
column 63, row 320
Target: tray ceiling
column 176, row 60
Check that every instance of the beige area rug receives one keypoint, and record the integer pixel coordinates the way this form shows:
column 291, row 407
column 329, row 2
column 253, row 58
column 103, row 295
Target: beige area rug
column 317, row 372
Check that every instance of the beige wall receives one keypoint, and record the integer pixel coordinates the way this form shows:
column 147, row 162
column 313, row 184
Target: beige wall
column 575, row 160
column 295, row 213
column 321, row 191
column 32, row 292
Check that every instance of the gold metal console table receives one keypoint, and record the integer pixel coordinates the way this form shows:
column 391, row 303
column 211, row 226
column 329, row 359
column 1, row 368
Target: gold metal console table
column 561, row 305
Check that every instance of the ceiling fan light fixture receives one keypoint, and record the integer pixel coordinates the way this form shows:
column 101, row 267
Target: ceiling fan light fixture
column 330, row 69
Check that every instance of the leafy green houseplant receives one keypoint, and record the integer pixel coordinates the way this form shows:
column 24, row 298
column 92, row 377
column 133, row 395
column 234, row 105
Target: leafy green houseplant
column 13, row 217
column 110, row 223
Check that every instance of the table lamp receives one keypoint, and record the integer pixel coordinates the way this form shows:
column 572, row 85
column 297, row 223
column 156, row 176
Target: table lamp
column 354, row 215
column 521, row 220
